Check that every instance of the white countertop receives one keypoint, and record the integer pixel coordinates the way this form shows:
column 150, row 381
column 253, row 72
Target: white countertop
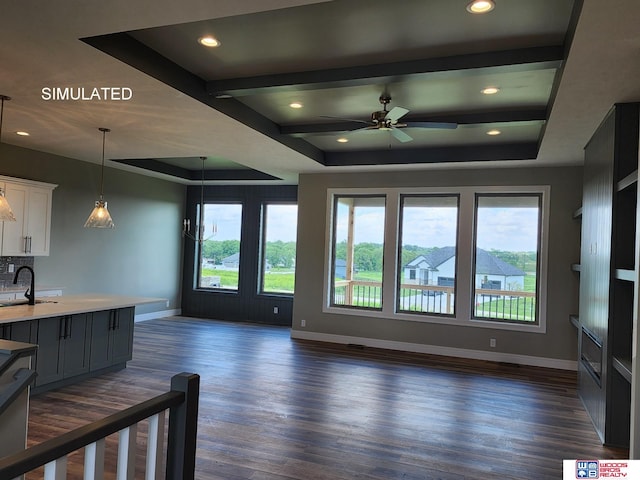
column 71, row 304
column 11, row 288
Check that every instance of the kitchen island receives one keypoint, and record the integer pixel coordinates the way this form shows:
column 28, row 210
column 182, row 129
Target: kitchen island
column 78, row 336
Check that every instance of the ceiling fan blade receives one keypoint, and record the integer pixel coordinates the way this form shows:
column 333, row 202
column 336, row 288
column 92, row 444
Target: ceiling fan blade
column 400, row 135
column 431, row 125
column 395, row 113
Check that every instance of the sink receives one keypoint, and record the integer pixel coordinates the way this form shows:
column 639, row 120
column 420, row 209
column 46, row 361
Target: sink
column 13, row 303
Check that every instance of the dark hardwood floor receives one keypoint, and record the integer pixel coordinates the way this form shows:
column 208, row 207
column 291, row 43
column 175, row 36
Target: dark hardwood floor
column 273, row 408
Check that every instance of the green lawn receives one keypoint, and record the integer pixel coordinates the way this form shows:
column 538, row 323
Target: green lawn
column 276, row 281
column 282, row 281
column 279, row 281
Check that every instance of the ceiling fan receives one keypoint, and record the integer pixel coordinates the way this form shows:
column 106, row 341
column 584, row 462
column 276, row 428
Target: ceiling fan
column 388, row 120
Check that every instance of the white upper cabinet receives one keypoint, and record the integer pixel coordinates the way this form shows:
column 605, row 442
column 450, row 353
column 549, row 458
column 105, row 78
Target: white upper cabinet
column 31, row 204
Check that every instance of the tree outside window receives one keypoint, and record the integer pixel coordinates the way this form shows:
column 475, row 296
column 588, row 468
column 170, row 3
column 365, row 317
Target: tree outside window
column 278, row 263
column 506, row 266
column 220, row 253
column 471, row 256
column 428, row 239
column 357, row 251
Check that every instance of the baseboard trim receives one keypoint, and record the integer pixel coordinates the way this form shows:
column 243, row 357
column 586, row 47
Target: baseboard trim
column 159, row 314
column 439, row 350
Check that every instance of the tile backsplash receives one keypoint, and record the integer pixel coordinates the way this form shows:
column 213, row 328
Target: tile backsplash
column 6, row 277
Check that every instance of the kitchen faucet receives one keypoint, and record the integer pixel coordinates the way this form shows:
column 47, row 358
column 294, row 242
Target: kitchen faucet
column 30, row 294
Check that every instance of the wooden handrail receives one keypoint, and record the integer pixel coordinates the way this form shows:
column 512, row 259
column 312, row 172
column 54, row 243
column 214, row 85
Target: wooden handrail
column 181, row 400
column 17, row 350
column 22, row 378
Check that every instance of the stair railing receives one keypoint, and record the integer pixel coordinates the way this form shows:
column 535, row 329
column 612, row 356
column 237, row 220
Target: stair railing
column 182, row 403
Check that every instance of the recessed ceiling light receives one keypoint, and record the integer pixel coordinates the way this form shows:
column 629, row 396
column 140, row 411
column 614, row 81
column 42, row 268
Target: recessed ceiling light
column 209, row 41
column 295, row 105
column 342, row 140
column 494, row 132
column 22, row 134
column 481, row 6
column 490, row 90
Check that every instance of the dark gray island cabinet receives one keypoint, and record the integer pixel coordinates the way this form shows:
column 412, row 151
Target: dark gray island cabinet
column 75, row 346
column 111, row 338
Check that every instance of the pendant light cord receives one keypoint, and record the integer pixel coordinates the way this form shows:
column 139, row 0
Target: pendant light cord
column 104, row 133
column 3, row 98
column 201, row 226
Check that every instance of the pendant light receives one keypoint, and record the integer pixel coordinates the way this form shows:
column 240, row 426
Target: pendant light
column 199, row 236
column 6, row 214
column 100, row 217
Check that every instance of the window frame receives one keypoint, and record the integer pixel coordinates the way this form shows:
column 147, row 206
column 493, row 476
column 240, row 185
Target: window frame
column 478, row 195
column 199, row 247
column 466, row 228
column 264, row 206
column 400, row 222
column 332, row 266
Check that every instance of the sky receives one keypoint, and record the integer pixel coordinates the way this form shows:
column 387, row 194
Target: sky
column 281, row 222
column 511, row 229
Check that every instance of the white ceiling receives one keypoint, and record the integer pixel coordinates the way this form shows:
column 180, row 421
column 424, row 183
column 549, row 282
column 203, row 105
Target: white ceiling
column 40, row 47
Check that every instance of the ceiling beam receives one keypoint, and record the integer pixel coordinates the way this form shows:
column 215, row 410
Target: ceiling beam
column 187, row 174
column 496, row 116
column 405, row 156
column 132, row 52
column 524, row 59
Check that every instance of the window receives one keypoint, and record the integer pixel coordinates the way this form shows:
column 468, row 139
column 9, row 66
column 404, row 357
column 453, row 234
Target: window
column 470, row 256
column 278, row 264
column 220, row 254
column 507, row 241
column 428, row 234
column 357, row 251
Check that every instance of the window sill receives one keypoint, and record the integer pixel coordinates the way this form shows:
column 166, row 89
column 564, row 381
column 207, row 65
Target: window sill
column 444, row 320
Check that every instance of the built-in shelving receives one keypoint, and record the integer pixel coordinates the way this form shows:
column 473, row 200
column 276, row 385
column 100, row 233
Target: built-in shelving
column 609, row 274
column 628, row 181
column 578, row 213
column 623, row 367
column 575, row 321
column 626, row 275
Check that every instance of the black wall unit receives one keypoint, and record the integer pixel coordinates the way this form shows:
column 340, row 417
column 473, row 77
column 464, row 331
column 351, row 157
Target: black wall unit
column 607, row 273
column 246, row 304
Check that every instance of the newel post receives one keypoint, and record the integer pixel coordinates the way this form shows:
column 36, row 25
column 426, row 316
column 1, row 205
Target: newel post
column 183, row 424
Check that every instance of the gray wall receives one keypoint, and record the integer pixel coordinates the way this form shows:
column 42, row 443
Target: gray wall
column 560, row 340
column 142, row 256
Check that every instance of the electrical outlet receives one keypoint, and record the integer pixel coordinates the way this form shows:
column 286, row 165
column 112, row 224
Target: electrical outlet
column 303, row 323
column 492, row 342
column 12, row 268
column 167, row 303
column 275, row 310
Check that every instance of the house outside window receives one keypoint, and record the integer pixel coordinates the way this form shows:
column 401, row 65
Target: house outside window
column 506, row 269
column 219, row 259
column 428, row 239
column 469, row 256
